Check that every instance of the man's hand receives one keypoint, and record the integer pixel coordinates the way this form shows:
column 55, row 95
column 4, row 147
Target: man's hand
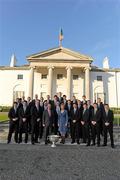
column 38, row 119
column 107, row 124
column 82, row 122
column 93, row 122
column 43, row 125
column 74, row 121
column 24, row 119
column 15, row 119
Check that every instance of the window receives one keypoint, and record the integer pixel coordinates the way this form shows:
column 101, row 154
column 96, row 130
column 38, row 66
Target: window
column 43, row 86
column 59, row 76
column 44, row 76
column 18, row 94
column 75, row 77
column 100, row 95
column 99, row 78
column 43, row 94
column 20, row 76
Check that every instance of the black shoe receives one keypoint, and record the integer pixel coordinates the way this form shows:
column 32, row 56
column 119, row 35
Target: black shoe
column 33, row 143
column 78, row 142
column 88, row 145
column 72, row 142
column 46, row 142
column 104, row 145
column 112, row 146
column 93, row 144
column 8, row 142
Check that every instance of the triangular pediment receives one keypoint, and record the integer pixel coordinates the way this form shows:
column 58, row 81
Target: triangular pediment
column 59, row 53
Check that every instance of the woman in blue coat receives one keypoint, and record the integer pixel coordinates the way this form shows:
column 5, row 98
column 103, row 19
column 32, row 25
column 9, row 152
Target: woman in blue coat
column 62, row 122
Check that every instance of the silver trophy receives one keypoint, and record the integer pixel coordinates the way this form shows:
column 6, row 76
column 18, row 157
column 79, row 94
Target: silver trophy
column 53, row 139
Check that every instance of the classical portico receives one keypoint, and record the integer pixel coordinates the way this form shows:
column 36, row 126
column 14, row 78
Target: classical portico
column 67, row 71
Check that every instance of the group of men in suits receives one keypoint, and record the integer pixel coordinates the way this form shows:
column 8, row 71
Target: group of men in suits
column 37, row 117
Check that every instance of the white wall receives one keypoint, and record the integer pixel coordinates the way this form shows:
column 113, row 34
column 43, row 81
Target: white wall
column 108, row 86
column 9, row 82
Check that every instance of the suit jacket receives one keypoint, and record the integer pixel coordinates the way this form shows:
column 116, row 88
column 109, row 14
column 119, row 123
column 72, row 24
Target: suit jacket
column 23, row 114
column 69, row 111
column 101, row 107
column 12, row 114
column 80, row 111
column 35, row 114
column 108, row 118
column 60, row 99
column 75, row 116
column 96, row 117
column 90, row 111
column 46, row 119
column 85, row 116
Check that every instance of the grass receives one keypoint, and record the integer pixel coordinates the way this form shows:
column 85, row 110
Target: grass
column 3, row 116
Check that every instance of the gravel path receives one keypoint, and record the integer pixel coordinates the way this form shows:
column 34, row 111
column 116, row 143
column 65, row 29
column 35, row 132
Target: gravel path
column 65, row 162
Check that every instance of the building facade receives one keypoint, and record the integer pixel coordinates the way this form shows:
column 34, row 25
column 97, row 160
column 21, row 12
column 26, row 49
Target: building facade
column 59, row 70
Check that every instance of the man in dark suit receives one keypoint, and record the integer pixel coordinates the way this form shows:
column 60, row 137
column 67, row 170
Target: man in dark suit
column 75, row 124
column 19, row 103
column 95, row 124
column 80, row 108
column 60, row 98
column 101, row 108
column 48, row 122
column 85, row 125
column 108, row 118
column 36, row 117
column 84, row 100
column 69, row 108
column 29, row 105
column 23, row 114
column 13, row 123
column 49, row 101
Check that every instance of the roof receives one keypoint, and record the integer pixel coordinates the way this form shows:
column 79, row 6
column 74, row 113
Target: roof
column 23, row 67
column 97, row 69
column 73, row 54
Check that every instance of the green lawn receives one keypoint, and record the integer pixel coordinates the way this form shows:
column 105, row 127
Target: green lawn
column 3, row 116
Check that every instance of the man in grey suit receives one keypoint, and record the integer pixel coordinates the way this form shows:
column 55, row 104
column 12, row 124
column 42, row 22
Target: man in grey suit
column 48, row 121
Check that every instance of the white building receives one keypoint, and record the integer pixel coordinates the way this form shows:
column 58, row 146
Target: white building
column 59, row 70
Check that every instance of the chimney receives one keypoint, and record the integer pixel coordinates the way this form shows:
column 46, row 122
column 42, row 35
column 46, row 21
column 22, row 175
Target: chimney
column 13, row 61
column 106, row 63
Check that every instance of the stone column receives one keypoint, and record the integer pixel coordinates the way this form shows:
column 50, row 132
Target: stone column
column 31, row 82
column 69, row 80
column 87, row 82
column 50, row 80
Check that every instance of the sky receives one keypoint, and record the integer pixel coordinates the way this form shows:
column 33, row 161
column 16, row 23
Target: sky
column 91, row 27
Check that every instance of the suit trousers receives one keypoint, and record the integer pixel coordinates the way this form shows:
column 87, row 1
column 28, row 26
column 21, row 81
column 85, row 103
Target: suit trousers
column 13, row 127
column 75, row 129
column 86, row 133
column 95, row 130
column 107, row 129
